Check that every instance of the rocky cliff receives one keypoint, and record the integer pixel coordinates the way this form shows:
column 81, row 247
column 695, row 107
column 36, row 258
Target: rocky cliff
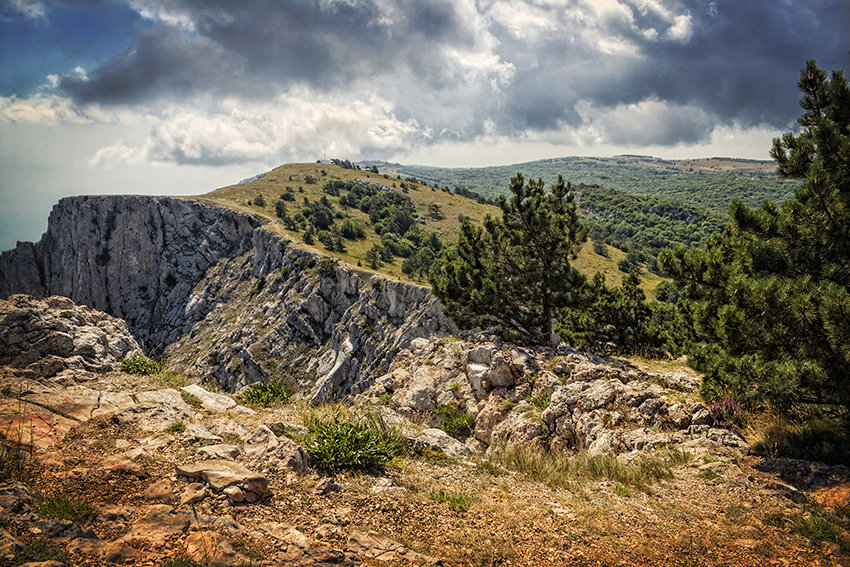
column 222, row 296
column 136, row 258
column 278, row 312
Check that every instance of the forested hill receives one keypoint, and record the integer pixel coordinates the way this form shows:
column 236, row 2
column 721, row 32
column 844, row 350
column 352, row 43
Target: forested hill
column 643, row 226
column 708, row 183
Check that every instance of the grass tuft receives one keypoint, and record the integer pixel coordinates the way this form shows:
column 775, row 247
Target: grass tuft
column 559, row 470
column 62, row 507
column 818, row 528
column 191, row 399
column 16, row 460
column 42, row 550
column 808, row 438
column 180, row 562
column 266, row 394
column 455, row 420
column 457, row 501
column 140, row 364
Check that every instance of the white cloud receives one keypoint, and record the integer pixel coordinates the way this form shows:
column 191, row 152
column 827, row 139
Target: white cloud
column 29, row 8
column 153, row 11
column 298, row 125
column 41, row 109
column 682, row 28
column 648, row 122
column 52, row 109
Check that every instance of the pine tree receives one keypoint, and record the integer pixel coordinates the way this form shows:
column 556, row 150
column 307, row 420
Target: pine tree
column 613, row 319
column 514, row 272
column 768, row 301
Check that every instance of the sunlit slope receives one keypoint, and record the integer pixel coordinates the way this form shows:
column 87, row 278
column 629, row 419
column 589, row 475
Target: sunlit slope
column 306, row 182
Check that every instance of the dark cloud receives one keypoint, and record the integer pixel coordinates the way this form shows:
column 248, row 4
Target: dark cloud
column 254, row 48
column 735, row 61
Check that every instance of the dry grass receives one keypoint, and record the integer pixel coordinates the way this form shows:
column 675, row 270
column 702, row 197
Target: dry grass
column 573, row 471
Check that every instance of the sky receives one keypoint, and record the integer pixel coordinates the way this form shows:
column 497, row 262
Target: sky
column 184, row 96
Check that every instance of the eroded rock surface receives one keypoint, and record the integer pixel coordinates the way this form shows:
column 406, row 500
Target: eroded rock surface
column 550, row 399
column 221, row 294
column 46, row 336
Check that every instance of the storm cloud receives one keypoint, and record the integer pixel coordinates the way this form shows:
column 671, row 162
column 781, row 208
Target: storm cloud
column 229, row 80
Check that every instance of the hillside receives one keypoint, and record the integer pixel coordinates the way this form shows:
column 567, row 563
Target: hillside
column 709, row 183
column 436, row 211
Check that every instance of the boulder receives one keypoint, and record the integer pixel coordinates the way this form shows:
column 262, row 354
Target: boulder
column 212, row 549
column 439, row 440
column 221, row 474
column 378, row 547
column 157, row 523
column 49, row 335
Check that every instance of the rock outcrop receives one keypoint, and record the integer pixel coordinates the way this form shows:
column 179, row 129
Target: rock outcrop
column 279, row 311
column 153, row 472
column 50, row 335
column 561, row 400
column 221, row 294
column 136, row 258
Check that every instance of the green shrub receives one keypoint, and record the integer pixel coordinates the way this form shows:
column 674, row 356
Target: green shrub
column 455, row 420
column 140, row 364
column 327, row 267
column 541, row 402
column 62, row 507
column 457, row 501
column 257, row 287
column 266, row 394
column 340, row 443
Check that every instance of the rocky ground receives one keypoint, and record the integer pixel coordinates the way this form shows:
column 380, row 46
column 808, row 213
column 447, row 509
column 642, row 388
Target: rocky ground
column 121, row 468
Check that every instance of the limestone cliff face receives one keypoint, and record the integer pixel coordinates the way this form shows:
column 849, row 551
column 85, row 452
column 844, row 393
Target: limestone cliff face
column 224, row 297
column 280, row 312
column 136, row 258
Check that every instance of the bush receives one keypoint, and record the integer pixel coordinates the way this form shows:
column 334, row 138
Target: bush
column 455, row 420
column 327, row 267
column 140, row 364
column 352, row 230
column 266, row 394
column 257, row 287
column 338, row 443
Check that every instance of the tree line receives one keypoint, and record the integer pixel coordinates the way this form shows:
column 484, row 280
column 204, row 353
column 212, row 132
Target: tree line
column 762, row 308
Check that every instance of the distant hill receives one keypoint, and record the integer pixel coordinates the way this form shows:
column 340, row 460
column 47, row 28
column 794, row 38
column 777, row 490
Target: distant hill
column 633, row 206
column 710, row 183
column 437, row 211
